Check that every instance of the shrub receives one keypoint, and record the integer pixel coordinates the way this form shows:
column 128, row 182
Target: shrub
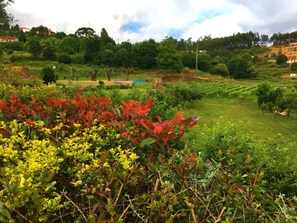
column 77, row 59
column 1, row 52
column 64, row 58
column 16, row 76
column 9, row 52
column 221, row 69
column 48, row 75
column 90, row 175
column 294, row 67
column 15, row 46
column 281, row 59
column 186, row 93
column 49, row 53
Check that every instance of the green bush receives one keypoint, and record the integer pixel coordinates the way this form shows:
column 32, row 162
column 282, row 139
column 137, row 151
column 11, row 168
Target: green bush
column 48, row 75
column 221, row 69
column 77, row 59
column 88, row 175
column 39, row 91
column 186, row 93
column 64, row 58
column 294, row 67
column 15, row 46
column 281, row 59
column 49, row 53
column 1, row 52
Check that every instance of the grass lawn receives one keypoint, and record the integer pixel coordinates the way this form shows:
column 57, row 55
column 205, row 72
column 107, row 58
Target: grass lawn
column 246, row 117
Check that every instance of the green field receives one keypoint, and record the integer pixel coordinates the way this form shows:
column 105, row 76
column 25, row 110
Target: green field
column 245, row 118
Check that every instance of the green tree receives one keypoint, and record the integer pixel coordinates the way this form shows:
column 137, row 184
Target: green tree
column 91, row 48
column 85, row 32
column 124, row 55
column 33, row 46
column 281, row 59
column 22, row 38
column 49, row 53
column 106, row 57
column 4, row 17
column 69, row 45
column 267, row 97
column 105, row 40
column 221, row 69
column 60, row 35
column 40, row 31
column 169, row 58
column 204, row 62
column 145, row 54
column 238, row 67
column 188, row 59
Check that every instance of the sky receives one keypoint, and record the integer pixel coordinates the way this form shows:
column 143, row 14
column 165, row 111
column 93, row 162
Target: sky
column 138, row 20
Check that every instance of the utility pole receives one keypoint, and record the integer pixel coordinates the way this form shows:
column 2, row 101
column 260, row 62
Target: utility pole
column 197, row 55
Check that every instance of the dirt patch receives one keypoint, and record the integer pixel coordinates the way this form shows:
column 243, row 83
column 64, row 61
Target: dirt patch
column 94, row 83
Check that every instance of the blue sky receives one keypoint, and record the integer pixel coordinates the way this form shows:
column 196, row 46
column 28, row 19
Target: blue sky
column 132, row 27
column 137, row 20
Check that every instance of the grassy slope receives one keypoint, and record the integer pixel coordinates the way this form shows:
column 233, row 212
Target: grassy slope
column 246, row 117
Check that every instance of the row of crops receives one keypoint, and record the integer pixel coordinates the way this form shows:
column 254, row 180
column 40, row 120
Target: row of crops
column 225, row 89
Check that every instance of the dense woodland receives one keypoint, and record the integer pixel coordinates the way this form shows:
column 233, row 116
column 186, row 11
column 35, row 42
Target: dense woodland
column 236, row 55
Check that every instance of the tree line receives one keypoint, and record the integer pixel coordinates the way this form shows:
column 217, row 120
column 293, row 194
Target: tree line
column 235, row 56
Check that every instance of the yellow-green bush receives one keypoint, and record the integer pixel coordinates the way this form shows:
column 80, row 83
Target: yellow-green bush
column 40, row 92
column 70, row 174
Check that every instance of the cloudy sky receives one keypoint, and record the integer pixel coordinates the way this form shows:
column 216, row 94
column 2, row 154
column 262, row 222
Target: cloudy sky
column 138, row 20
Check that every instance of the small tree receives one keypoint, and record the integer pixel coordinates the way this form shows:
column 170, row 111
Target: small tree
column 204, row 62
column 221, row 69
column 108, row 72
column 267, row 97
column 34, row 47
column 281, row 59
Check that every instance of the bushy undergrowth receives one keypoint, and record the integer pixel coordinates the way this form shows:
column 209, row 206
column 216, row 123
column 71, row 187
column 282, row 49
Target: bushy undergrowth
column 91, row 175
column 16, row 76
column 222, row 144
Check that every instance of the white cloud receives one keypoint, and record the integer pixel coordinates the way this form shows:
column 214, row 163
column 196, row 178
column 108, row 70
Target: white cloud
column 189, row 18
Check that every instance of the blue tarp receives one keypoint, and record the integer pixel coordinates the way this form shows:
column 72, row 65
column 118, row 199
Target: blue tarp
column 139, row 81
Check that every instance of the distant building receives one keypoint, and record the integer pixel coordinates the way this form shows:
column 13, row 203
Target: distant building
column 291, row 52
column 4, row 39
column 25, row 29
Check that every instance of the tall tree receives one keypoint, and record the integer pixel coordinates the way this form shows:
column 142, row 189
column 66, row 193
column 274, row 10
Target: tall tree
column 146, row 53
column 85, row 32
column 105, row 40
column 4, row 17
column 40, row 31
column 168, row 57
column 69, row 45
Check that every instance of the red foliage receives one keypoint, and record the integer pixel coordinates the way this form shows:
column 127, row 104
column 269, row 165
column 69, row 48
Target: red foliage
column 131, row 120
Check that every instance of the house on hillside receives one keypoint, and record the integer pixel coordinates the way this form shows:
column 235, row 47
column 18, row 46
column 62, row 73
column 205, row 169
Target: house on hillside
column 4, row 39
column 25, row 29
column 291, row 52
